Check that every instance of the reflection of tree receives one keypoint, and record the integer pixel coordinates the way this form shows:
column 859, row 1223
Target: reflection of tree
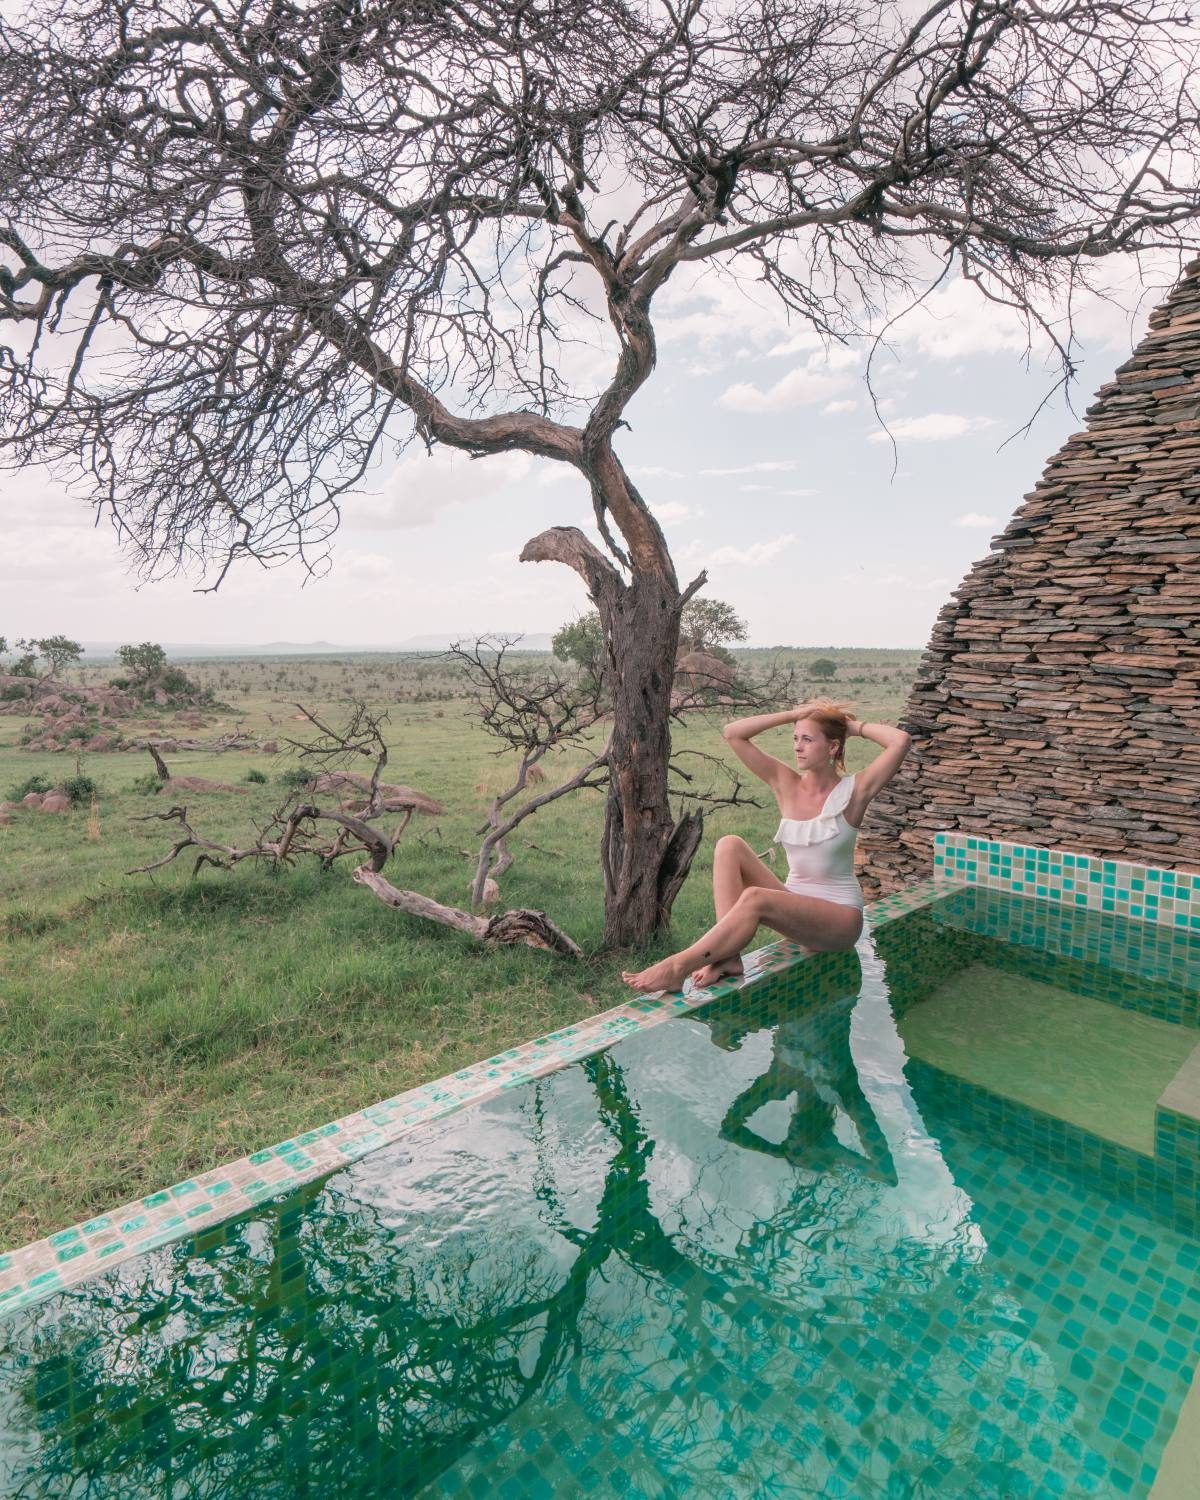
column 339, row 1345
column 170, row 1378
column 268, row 1326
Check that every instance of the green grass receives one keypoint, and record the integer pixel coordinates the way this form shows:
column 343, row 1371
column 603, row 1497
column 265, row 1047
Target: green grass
column 154, row 1026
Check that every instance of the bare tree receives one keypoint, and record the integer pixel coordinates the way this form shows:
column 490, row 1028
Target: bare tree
column 530, row 714
column 245, row 246
column 299, row 827
column 534, row 712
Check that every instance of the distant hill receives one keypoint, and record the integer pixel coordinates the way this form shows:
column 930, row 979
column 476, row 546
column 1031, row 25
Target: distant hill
column 104, row 651
column 198, row 651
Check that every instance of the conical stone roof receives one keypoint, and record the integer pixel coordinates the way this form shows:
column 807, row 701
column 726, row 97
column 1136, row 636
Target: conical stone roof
column 1058, row 701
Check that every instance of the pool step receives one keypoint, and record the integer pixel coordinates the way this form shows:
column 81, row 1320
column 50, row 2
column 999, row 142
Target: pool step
column 1102, row 1069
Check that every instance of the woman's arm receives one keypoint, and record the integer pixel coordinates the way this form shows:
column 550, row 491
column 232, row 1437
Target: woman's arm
column 739, row 733
column 870, row 781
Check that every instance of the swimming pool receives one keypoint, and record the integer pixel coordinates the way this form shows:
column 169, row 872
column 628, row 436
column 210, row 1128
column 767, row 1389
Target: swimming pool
column 827, row 1235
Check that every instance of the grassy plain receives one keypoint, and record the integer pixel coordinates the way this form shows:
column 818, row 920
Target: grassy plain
column 154, row 1026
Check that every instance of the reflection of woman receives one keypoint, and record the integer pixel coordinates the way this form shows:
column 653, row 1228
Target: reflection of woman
column 831, row 1119
column 821, row 904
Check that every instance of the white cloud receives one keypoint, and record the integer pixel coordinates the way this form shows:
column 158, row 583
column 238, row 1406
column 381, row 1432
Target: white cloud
column 674, row 510
column 754, row 556
column 958, row 319
column 802, row 341
column 552, row 474
column 801, row 387
column 656, row 471
column 423, row 485
column 833, row 407
column 766, row 466
column 365, row 564
column 936, row 427
column 88, row 558
column 973, row 518
column 770, row 489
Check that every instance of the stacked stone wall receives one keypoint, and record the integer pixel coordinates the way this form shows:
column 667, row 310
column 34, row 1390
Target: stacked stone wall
column 1058, row 701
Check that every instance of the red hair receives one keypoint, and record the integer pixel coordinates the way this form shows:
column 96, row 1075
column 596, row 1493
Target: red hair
column 833, row 720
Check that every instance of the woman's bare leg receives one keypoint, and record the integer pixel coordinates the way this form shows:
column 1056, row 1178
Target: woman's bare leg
column 736, row 868
column 823, row 926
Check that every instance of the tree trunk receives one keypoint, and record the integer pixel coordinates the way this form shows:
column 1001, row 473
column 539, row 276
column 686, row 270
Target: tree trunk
column 644, row 855
column 641, row 627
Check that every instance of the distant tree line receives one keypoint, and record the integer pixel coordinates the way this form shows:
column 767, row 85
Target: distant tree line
column 145, row 668
column 57, row 652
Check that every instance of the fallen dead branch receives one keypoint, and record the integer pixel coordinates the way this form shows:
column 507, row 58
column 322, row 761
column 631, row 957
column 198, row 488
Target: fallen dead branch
column 523, row 925
column 303, row 827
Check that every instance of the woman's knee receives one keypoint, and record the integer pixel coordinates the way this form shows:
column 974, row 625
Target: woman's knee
column 730, row 846
column 752, row 900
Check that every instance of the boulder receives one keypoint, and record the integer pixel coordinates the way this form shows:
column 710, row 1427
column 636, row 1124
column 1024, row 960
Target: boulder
column 697, row 670
column 32, row 799
column 56, row 802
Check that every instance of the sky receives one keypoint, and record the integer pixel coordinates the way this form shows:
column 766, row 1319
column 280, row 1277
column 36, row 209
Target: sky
column 756, row 446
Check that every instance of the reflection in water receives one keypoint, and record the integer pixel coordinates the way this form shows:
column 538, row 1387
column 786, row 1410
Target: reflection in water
column 829, row 1122
column 730, row 1269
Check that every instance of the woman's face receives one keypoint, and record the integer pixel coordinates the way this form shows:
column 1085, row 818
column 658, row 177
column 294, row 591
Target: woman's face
column 812, row 746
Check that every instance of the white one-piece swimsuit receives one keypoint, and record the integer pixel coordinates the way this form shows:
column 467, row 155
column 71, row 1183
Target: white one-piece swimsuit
column 820, row 851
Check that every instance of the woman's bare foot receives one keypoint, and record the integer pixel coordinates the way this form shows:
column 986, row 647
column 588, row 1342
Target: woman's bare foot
column 669, row 974
column 722, row 969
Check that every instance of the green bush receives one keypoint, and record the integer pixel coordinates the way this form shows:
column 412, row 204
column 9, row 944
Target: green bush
column 255, row 777
column 80, row 789
column 30, row 784
column 147, row 786
column 174, row 681
column 294, row 776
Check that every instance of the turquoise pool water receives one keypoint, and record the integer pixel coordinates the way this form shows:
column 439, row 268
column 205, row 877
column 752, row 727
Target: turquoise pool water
column 758, row 1251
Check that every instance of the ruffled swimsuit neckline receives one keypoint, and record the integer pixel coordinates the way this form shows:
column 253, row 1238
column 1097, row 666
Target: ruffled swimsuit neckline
column 824, row 826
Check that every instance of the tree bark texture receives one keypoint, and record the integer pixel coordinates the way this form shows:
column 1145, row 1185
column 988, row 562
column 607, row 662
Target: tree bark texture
column 641, row 627
column 644, row 856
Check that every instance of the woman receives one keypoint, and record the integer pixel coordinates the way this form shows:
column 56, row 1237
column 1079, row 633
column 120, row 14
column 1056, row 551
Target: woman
column 821, row 906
